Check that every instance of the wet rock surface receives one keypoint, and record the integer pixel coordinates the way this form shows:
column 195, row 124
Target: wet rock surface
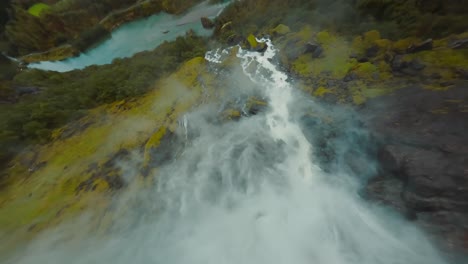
column 207, row 23
column 423, row 156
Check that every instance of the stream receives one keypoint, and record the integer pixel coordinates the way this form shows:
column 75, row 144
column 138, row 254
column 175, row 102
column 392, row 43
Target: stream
column 137, row 36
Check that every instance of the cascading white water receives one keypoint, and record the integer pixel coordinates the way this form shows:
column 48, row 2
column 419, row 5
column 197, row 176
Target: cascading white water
column 248, row 192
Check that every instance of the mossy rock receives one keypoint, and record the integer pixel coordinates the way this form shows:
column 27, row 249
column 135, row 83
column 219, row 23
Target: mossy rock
column 37, row 9
column 401, row 46
column 55, row 54
column 365, row 70
column 281, row 29
column 325, row 38
column 255, row 105
column 371, row 40
column 153, row 142
column 254, row 45
column 321, row 91
column 231, row 114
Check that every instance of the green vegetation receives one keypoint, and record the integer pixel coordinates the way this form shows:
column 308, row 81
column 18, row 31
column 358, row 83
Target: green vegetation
column 37, row 9
column 65, row 96
column 430, row 18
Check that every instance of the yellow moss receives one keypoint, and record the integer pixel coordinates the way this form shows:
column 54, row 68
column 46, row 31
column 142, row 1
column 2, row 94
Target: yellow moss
column 336, row 60
column 253, row 101
column 385, row 71
column 325, row 38
column 47, row 196
column 371, row 36
column 452, row 58
column 375, row 92
column 383, row 44
column 358, row 45
column 252, row 41
column 305, row 34
column 365, row 70
column 230, row 114
column 439, row 43
column 37, row 9
column 321, row 91
column 153, row 142
column 358, row 98
column 443, row 62
column 402, row 45
column 370, row 39
column 281, row 29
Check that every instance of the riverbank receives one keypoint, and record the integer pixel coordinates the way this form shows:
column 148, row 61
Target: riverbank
column 50, row 33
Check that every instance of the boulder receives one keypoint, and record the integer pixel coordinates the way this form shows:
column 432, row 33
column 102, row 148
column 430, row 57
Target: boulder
column 314, row 48
column 459, row 44
column 425, row 45
column 207, row 23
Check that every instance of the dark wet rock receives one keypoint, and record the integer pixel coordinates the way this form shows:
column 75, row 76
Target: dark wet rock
column 234, row 39
column 350, row 77
column 207, row 23
column 459, row 44
column 462, row 73
column 416, row 65
column 423, row 147
column 372, row 51
column 315, row 49
column 425, row 45
column 411, row 68
column 446, row 83
column 362, row 59
column 109, row 172
column 398, row 63
column 26, row 90
column 387, row 190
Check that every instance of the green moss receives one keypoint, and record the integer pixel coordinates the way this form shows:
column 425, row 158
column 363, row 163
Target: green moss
column 252, row 41
column 325, row 38
column 451, row 58
column 321, row 91
column 37, row 9
column 371, row 36
column 153, row 142
column 335, row 62
column 365, row 70
column 370, row 39
column 231, row 114
column 444, row 62
column 375, row 92
column 281, row 29
column 402, row 45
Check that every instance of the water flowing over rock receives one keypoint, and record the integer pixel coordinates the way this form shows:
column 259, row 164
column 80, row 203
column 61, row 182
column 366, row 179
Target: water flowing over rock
column 251, row 191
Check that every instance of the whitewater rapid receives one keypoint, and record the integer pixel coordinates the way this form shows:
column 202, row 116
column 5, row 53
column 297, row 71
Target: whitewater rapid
column 248, row 192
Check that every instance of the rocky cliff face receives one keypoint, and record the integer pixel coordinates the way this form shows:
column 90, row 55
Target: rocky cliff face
column 424, row 158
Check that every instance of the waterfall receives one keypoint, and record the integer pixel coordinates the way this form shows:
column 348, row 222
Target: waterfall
column 248, row 191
